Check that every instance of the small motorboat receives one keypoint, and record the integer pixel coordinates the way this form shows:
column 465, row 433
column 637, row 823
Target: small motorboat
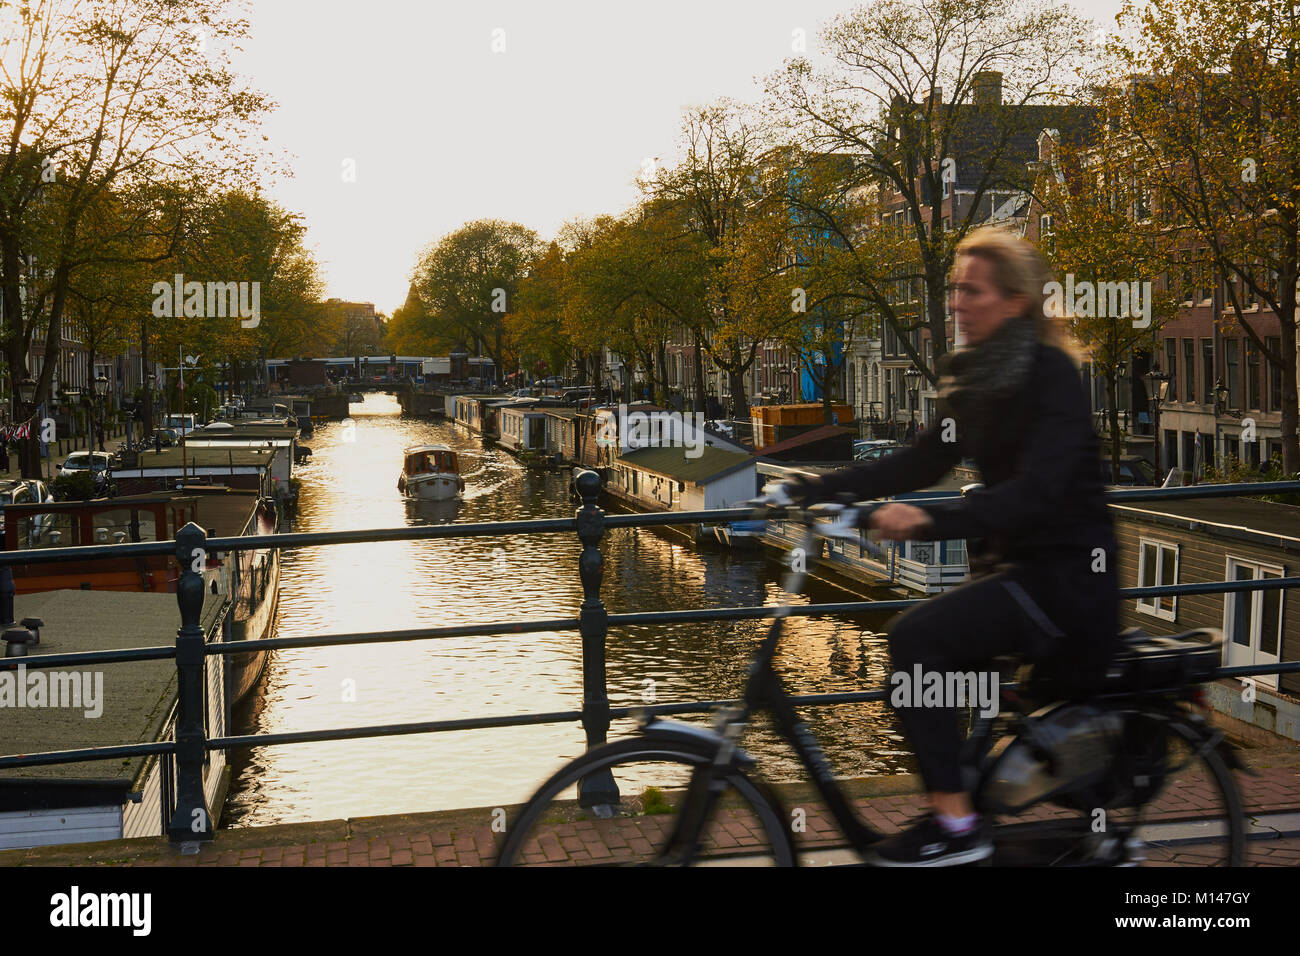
column 430, row 472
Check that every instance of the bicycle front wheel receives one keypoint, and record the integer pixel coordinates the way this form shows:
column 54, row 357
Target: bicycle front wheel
column 748, row 826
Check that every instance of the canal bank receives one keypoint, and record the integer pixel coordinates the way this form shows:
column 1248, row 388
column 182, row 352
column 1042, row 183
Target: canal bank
column 467, row 838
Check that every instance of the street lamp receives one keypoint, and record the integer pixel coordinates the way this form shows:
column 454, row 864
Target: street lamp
column 1159, row 382
column 101, row 394
column 783, row 375
column 913, row 376
column 27, row 395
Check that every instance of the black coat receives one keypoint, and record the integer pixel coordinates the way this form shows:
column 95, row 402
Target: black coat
column 1043, row 498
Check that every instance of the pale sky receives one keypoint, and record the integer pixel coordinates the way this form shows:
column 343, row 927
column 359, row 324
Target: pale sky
column 444, row 130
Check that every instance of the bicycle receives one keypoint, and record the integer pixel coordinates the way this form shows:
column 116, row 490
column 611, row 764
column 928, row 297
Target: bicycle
column 1072, row 782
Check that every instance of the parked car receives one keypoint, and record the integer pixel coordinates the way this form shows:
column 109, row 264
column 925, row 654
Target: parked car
column 23, row 493
column 876, row 450
column 1133, row 470
column 181, row 423
column 92, row 461
column 166, row 437
column 98, row 463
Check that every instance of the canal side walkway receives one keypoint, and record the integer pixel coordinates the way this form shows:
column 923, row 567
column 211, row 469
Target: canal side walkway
column 467, row 838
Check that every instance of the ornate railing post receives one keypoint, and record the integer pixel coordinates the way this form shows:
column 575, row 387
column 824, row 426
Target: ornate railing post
column 598, row 790
column 191, row 822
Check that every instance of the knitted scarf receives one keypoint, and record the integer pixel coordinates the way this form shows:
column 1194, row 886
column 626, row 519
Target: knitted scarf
column 977, row 380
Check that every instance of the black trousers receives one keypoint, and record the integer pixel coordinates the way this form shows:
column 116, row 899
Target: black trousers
column 1060, row 614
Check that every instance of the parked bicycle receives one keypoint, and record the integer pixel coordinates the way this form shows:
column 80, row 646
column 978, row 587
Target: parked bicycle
column 1132, row 773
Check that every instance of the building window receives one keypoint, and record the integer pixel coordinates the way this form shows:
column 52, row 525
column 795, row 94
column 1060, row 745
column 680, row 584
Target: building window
column 1171, row 369
column 1158, row 567
column 1274, row 376
column 1253, row 393
column 1189, row 370
column 1207, row 371
column 1231, row 351
column 1252, row 620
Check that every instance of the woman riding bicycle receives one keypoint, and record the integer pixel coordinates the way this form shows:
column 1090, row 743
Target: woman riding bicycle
column 1042, row 547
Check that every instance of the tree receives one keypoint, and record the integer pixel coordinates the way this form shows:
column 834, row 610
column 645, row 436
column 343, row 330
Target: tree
column 1101, row 235
column 114, row 95
column 712, row 187
column 1213, row 124
column 537, row 328
column 240, row 237
column 881, row 103
column 468, row 281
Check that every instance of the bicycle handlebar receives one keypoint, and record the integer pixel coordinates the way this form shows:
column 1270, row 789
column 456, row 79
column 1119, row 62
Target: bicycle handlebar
column 846, row 522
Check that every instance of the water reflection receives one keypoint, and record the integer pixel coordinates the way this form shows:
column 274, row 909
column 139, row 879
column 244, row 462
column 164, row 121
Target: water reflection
column 350, row 482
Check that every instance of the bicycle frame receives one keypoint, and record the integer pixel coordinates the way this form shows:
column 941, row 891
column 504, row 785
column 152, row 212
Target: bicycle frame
column 764, row 691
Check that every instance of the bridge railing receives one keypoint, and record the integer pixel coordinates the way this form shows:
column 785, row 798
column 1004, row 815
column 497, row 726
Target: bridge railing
column 191, row 651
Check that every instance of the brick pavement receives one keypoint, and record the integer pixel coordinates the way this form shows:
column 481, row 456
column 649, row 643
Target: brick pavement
column 466, row 837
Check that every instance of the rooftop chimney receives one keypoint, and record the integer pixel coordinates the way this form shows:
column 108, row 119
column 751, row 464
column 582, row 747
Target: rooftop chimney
column 988, row 88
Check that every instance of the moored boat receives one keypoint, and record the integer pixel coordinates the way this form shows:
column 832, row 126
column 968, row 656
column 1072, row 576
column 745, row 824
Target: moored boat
column 251, row 583
column 431, row 473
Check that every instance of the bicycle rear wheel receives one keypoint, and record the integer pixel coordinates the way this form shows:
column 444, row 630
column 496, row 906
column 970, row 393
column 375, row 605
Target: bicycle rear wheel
column 748, row 827
column 1189, row 813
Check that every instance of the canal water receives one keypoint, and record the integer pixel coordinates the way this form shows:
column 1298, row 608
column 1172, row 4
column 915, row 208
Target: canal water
column 351, row 483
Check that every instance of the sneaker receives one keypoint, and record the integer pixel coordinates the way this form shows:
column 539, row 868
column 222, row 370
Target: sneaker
column 927, row 843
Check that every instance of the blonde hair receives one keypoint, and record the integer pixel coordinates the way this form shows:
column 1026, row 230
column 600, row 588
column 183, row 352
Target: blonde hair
column 1020, row 269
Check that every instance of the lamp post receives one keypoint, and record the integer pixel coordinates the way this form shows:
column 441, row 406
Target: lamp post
column 27, row 396
column 913, row 376
column 147, row 423
column 101, row 396
column 1159, row 382
column 1220, row 409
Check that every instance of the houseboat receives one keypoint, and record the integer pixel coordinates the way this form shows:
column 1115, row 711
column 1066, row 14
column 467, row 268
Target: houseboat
column 251, row 581
column 474, row 412
column 524, row 431
column 431, row 473
column 908, row 568
column 1203, row 540
column 92, row 800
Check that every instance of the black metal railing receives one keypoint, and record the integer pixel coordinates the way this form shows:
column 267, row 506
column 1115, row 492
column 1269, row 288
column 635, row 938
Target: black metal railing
column 190, row 817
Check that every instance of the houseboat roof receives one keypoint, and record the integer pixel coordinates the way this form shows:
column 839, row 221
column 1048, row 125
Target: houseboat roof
column 949, row 484
column 137, row 696
column 672, row 462
column 416, row 449
column 1269, row 523
column 244, row 431
column 567, row 412
column 211, row 456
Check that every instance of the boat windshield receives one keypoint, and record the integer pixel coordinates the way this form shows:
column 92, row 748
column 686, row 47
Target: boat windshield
column 427, row 461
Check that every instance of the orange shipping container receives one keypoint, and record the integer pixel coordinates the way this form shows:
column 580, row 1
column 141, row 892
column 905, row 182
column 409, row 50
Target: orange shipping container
column 774, row 423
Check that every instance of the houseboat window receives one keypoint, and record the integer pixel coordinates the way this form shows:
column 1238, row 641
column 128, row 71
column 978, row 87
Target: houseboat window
column 107, row 525
column 1157, row 567
column 53, row 529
